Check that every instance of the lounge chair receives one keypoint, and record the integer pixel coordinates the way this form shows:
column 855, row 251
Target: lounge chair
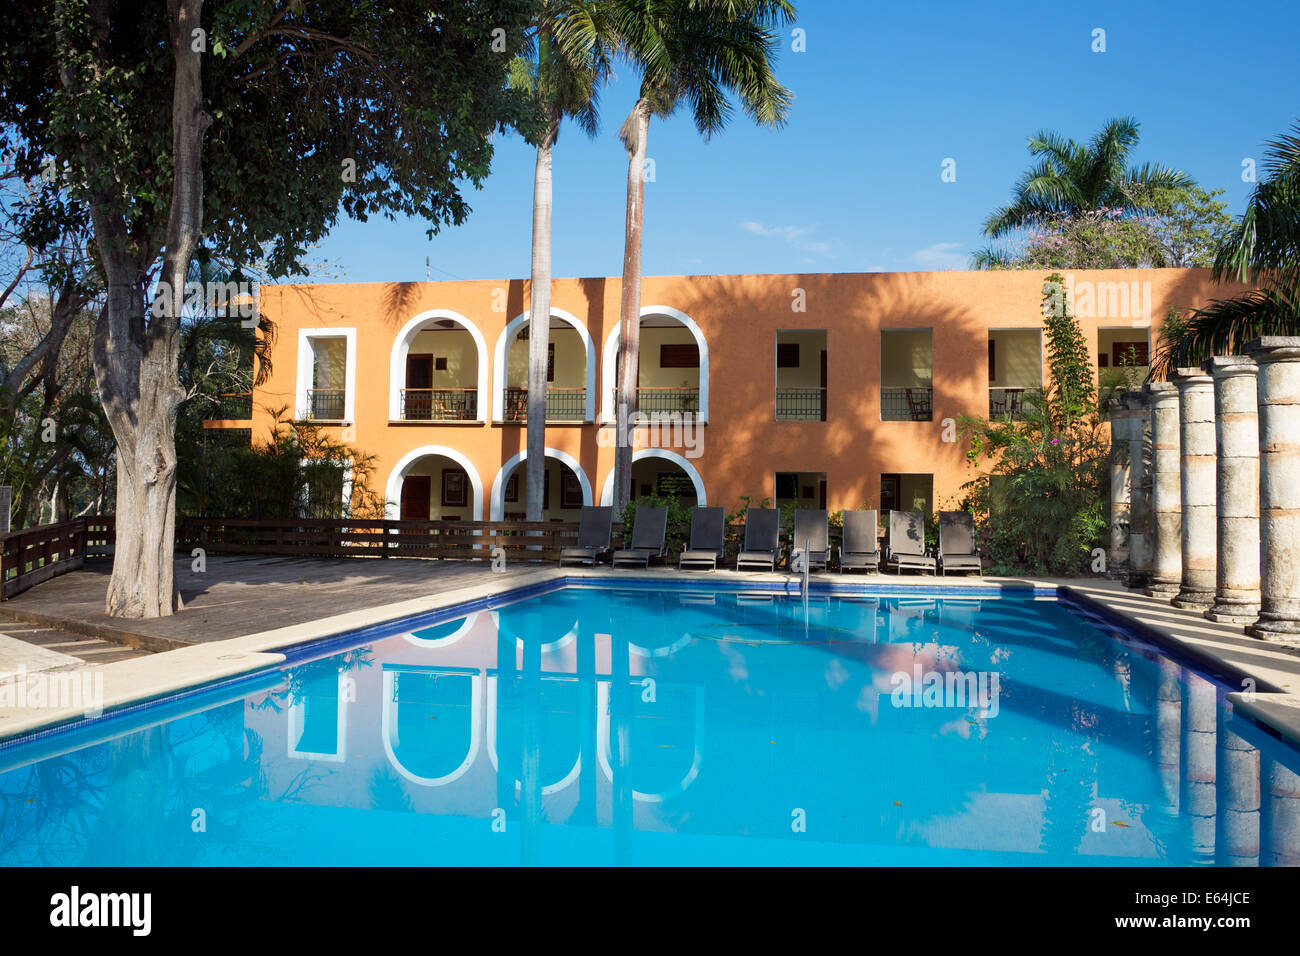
column 859, row 547
column 649, row 529
column 762, row 539
column 812, row 531
column 595, row 527
column 907, row 542
column 708, row 526
column 957, row 550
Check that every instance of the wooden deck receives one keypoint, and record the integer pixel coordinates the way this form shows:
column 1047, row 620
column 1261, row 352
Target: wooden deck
column 240, row 595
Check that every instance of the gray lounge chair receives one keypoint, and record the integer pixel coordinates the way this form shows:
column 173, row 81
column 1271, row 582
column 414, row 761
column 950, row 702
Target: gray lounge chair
column 708, row 526
column 859, row 547
column 649, row 529
column 957, row 550
column 812, row 530
column 907, row 542
column 595, row 527
column 762, row 539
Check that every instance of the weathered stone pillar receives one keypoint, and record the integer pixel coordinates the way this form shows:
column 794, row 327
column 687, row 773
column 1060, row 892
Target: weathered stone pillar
column 1139, row 522
column 1120, row 493
column 1196, row 456
column 1166, row 493
column 1236, row 421
column 1279, row 487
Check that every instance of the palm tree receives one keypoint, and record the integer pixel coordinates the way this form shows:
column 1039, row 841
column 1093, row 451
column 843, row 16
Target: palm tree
column 1071, row 178
column 572, row 60
column 695, row 51
column 1263, row 249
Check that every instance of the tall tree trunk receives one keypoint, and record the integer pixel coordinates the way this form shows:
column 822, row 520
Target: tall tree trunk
column 539, row 324
column 634, row 132
column 136, row 360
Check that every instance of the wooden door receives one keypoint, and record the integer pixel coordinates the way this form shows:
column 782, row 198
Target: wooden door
column 416, row 498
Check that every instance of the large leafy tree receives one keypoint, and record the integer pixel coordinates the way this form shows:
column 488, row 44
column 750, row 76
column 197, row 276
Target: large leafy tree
column 278, row 116
column 1263, row 249
column 1042, row 503
column 1069, row 179
column 562, row 68
column 696, row 53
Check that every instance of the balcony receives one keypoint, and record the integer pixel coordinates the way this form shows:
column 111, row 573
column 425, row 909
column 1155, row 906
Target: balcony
column 439, row 405
column 1007, row 403
column 800, row 404
column 652, row 401
column 911, row 404
column 562, row 405
column 232, row 406
column 326, row 404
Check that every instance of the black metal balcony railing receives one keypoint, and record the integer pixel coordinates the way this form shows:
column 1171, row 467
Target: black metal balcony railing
column 800, row 404
column 439, row 404
column 914, row 404
column 651, row 401
column 562, row 405
column 235, row 406
column 326, row 404
column 1008, row 403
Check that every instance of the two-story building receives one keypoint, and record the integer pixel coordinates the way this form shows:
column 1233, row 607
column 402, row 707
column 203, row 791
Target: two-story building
column 830, row 390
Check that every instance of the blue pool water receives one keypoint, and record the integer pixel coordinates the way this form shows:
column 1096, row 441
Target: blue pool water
column 638, row 725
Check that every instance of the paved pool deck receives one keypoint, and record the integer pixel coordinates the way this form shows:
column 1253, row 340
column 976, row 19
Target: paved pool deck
column 241, row 612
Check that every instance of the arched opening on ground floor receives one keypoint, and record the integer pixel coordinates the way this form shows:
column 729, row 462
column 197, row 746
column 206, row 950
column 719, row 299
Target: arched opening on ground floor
column 566, row 488
column 434, row 483
column 664, row 474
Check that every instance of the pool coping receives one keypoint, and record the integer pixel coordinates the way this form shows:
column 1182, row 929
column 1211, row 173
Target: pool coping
column 172, row 673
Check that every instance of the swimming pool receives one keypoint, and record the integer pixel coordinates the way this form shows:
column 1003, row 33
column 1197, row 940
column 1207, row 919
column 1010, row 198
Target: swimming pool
column 702, row 725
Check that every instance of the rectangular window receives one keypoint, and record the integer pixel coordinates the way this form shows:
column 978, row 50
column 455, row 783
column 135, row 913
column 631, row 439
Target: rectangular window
column 679, row 356
column 787, row 355
column 440, row 364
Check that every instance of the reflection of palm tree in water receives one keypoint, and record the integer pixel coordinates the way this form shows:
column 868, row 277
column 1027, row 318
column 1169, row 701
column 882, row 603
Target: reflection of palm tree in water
column 131, row 800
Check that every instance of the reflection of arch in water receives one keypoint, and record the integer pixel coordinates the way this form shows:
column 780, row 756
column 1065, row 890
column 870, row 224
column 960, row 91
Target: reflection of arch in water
column 646, row 629
column 603, row 746
column 528, row 619
column 448, row 632
column 390, row 731
column 493, row 706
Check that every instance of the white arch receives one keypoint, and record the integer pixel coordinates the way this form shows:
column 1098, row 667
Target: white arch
column 393, row 494
column 475, row 732
column 497, row 507
column 609, row 374
column 499, row 368
column 607, row 491
column 402, row 347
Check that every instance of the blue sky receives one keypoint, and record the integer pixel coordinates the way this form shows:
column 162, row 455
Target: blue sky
column 883, row 95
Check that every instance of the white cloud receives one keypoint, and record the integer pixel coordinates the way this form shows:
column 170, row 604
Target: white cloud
column 942, row 255
column 795, row 235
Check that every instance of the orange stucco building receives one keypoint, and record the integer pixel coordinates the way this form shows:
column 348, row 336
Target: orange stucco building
column 833, row 390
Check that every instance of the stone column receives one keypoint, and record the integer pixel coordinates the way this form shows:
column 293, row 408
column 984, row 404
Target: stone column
column 1196, row 457
column 1120, row 494
column 1236, row 420
column 1279, row 487
column 1166, row 493
column 1139, row 522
